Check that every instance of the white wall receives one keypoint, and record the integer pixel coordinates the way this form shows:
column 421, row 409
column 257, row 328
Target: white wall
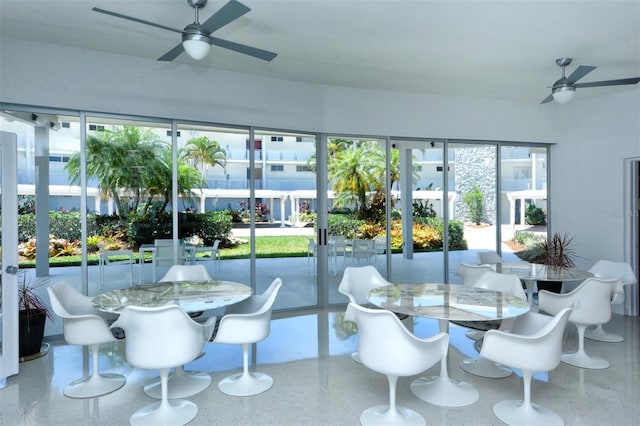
column 587, row 199
column 593, row 135
column 56, row 76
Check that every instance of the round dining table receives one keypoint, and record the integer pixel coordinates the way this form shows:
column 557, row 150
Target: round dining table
column 531, row 273
column 446, row 302
column 192, row 297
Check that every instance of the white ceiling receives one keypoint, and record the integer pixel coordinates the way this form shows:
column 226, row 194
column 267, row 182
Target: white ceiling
column 496, row 49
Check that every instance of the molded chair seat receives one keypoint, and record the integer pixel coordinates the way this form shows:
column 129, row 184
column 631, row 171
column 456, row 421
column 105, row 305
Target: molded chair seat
column 609, row 269
column 83, row 325
column 182, row 383
column 163, row 338
column 247, row 323
column 488, row 258
column 471, row 273
column 186, row 273
column 356, row 282
column 387, row 347
column 505, row 283
column 591, row 302
column 528, row 349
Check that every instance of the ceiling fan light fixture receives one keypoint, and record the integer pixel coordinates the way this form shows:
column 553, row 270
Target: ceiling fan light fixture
column 563, row 94
column 195, row 42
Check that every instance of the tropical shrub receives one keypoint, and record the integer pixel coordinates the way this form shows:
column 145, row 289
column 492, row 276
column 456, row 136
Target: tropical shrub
column 534, row 215
column 62, row 225
column 473, row 200
column 345, row 225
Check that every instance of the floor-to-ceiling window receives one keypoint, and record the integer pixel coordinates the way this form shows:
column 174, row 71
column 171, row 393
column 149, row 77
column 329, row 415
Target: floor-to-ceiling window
column 523, row 207
column 475, row 182
column 421, row 204
column 130, row 163
column 269, row 176
column 286, row 209
column 357, row 222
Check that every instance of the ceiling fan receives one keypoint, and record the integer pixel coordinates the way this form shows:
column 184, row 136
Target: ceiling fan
column 197, row 38
column 563, row 90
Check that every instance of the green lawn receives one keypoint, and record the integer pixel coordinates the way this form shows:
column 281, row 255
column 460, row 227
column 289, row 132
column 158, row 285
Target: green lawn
column 286, row 246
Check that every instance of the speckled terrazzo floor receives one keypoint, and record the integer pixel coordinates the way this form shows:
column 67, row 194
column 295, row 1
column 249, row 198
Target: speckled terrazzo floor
column 317, row 383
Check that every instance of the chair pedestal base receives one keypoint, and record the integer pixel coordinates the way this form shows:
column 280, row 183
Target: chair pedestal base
column 176, row 412
column 602, row 336
column 582, row 360
column 356, row 357
column 245, row 384
column 94, row 385
column 515, row 412
column 380, row 415
column 443, row 391
column 484, row 368
column 182, row 384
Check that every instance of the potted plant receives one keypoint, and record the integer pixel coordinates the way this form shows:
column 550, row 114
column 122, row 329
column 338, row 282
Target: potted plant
column 33, row 313
column 556, row 252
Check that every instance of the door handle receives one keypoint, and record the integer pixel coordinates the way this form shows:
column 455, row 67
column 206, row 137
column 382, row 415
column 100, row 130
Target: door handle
column 11, row 270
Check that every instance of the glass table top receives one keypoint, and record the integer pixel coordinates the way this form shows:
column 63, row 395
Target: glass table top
column 448, row 302
column 192, row 296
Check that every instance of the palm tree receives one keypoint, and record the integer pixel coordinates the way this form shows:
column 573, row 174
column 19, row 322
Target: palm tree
column 132, row 164
column 117, row 159
column 333, row 147
column 353, row 174
column 160, row 181
column 205, row 152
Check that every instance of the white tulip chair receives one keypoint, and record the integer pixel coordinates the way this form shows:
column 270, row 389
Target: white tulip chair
column 387, row 347
column 591, row 302
column 163, row 338
column 85, row 326
column 529, row 350
column 609, row 269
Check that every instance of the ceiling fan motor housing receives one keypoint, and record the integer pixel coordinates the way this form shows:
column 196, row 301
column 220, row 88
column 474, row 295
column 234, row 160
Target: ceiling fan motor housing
column 197, row 3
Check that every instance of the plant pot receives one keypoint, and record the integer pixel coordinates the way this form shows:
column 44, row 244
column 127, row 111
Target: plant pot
column 552, row 286
column 31, row 329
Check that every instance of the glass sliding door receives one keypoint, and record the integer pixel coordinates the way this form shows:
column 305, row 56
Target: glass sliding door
column 130, row 166
column 357, row 221
column 419, row 208
column 286, row 210
column 9, row 258
column 217, row 209
column 524, row 209
column 475, row 182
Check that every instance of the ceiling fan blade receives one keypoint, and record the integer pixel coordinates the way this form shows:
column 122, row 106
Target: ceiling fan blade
column 242, row 48
column 580, row 72
column 619, row 82
column 228, row 13
column 131, row 18
column 547, row 99
column 172, row 54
